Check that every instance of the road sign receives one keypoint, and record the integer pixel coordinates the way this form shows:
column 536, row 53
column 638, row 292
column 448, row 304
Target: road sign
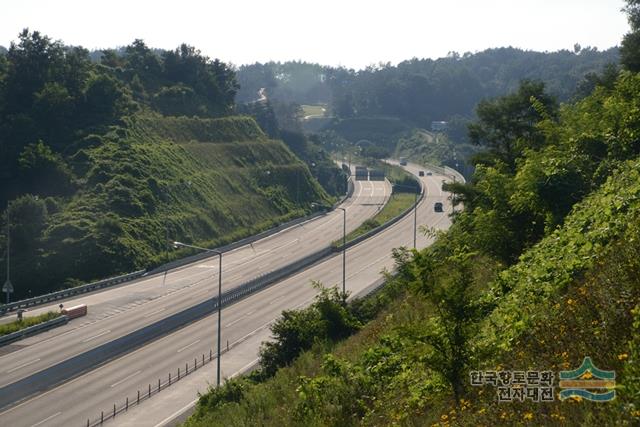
column 8, row 287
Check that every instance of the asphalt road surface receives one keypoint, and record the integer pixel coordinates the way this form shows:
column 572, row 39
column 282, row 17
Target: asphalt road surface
column 245, row 325
column 120, row 310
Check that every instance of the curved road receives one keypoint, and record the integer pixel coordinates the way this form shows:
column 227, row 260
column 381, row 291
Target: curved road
column 245, row 325
column 123, row 309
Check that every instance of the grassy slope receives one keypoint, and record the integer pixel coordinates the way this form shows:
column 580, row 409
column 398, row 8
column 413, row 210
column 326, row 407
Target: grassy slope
column 563, row 305
column 196, row 180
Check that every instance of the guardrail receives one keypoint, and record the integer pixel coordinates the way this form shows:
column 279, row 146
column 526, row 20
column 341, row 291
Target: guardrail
column 151, row 390
column 101, row 354
column 97, row 356
column 105, row 283
column 454, row 173
column 32, row 330
column 65, row 293
column 164, row 383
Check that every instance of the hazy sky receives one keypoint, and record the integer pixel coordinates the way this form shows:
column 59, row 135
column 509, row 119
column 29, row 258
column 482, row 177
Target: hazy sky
column 354, row 33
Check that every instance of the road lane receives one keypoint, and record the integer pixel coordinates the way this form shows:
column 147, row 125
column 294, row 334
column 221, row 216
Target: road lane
column 118, row 311
column 89, row 394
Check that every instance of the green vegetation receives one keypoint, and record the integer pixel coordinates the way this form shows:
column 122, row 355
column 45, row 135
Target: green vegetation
column 16, row 325
column 103, row 163
column 137, row 187
column 423, row 90
column 302, row 337
column 538, row 271
column 282, row 121
column 389, row 109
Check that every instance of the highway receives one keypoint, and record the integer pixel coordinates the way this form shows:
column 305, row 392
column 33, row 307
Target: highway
column 245, row 324
column 122, row 309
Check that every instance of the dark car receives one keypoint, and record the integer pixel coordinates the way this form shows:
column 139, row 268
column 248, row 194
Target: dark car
column 438, row 207
column 421, row 173
column 429, row 174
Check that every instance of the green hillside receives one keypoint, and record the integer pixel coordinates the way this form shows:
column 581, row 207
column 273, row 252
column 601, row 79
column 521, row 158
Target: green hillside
column 205, row 181
column 103, row 161
column 540, row 270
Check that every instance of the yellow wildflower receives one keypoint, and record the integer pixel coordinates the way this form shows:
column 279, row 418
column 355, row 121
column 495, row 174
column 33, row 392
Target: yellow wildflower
column 623, row 356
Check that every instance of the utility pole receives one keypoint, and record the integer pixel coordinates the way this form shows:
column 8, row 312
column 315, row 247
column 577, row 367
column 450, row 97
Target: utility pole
column 344, row 252
column 298, row 186
column 184, row 245
column 415, row 218
column 8, row 287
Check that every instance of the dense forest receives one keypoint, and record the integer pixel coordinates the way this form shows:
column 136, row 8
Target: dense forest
column 388, row 110
column 422, row 90
column 538, row 271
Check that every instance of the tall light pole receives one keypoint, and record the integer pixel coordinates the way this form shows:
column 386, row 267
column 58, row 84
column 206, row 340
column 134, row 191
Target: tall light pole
column 344, row 245
column 415, row 211
column 8, row 287
column 344, row 251
column 179, row 244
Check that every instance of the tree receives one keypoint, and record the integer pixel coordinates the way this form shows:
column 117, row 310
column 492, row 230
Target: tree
column 105, row 100
column 141, row 61
column 507, row 125
column 297, row 330
column 28, row 215
column 33, row 61
column 44, row 172
column 630, row 48
column 448, row 286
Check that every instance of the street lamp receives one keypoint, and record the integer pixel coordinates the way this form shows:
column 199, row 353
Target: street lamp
column 344, row 246
column 179, row 244
column 344, row 252
column 415, row 211
column 8, row 287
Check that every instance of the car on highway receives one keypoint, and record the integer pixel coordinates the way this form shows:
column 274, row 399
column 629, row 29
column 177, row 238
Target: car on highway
column 403, row 162
column 421, row 173
column 437, row 207
column 429, row 174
